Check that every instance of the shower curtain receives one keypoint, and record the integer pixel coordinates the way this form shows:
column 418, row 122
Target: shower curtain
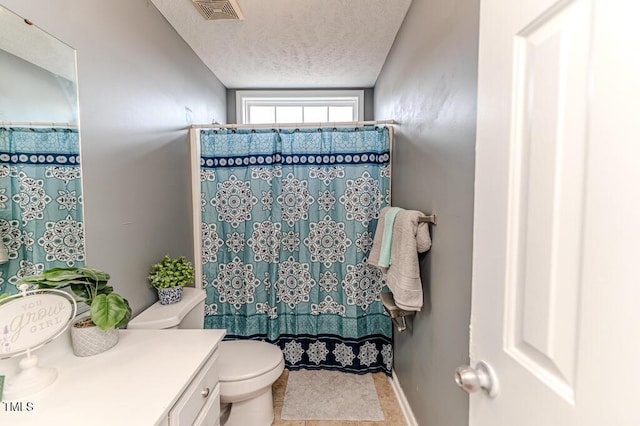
column 288, row 218
column 40, row 202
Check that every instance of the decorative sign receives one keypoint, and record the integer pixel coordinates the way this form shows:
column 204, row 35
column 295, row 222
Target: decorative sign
column 32, row 319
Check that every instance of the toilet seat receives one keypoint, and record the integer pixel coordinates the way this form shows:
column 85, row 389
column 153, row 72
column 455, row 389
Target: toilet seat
column 245, row 359
column 248, row 368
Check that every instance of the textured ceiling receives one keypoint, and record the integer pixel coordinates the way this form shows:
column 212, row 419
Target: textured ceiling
column 293, row 43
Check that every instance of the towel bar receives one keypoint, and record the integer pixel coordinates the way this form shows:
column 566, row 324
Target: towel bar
column 397, row 314
column 433, row 218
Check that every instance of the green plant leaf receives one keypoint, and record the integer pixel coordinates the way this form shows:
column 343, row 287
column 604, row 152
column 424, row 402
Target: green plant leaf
column 61, row 274
column 94, row 275
column 171, row 272
column 84, row 290
column 81, row 291
column 62, row 277
column 88, row 285
column 125, row 320
column 107, row 311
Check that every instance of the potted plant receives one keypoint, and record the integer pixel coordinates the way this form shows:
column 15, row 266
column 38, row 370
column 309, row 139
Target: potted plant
column 109, row 311
column 169, row 276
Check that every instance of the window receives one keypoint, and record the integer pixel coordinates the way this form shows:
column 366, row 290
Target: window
column 304, row 106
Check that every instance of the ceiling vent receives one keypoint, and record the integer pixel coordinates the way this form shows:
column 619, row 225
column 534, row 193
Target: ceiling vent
column 216, row 10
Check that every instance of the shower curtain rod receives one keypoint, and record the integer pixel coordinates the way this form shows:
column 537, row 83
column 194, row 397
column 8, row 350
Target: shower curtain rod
column 292, row 125
column 37, row 124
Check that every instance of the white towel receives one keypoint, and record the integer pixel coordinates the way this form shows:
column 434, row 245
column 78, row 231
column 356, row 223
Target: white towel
column 403, row 275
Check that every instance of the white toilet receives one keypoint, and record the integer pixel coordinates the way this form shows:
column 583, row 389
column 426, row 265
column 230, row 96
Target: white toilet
column 248, row 368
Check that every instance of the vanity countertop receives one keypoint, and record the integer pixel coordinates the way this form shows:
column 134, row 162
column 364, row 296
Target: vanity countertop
column 134, row 383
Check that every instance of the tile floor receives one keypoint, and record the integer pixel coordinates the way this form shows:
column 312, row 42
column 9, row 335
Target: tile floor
column 388, row 402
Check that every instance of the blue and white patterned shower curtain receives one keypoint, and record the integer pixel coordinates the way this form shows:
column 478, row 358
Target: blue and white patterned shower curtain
column 287, row 224
column 40, row 202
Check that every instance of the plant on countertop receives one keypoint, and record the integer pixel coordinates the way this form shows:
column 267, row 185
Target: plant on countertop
column 108, row 309
column 171, row 272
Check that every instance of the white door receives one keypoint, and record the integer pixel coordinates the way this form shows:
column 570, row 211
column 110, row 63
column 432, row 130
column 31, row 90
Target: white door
column 556, row 270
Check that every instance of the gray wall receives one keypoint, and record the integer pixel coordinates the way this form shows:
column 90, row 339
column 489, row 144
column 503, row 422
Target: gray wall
column 140, row 86
column 428, row 84
column 231, row 102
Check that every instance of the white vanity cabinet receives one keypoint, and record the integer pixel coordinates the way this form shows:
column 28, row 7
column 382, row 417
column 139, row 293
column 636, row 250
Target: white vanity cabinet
column 200, row 403
column 151, row 377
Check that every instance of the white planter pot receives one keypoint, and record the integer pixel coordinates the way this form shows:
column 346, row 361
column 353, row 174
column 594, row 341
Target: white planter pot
column 92, row 340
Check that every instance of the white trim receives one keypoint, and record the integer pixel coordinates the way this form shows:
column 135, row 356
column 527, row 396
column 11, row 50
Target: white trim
column 294, row 125
column 391, row 139
column 244, row 98
column 194, row 166
column 402, row 400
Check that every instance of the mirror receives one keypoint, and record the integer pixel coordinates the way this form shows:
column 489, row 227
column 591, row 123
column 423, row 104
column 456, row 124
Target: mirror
column 41, row 222
column 38, row 74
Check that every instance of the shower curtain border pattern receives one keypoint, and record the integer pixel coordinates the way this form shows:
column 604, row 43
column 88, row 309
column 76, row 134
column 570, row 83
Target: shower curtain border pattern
column 358, row 356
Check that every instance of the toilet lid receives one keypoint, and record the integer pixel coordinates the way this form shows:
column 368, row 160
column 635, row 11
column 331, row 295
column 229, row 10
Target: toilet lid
column 245, row 359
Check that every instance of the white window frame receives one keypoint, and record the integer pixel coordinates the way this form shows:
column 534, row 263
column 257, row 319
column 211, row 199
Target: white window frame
column 247, row 98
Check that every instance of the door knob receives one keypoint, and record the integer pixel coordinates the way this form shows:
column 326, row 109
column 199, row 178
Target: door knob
column 473, row 379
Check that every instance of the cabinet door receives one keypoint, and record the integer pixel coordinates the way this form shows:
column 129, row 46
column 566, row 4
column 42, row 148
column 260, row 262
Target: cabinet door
column 198, row 395
column 210, row 413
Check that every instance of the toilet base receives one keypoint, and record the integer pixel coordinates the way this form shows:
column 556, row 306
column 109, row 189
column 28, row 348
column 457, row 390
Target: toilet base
column 257, row 411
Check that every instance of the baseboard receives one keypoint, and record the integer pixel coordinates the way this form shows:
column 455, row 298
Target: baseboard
column 402, row 400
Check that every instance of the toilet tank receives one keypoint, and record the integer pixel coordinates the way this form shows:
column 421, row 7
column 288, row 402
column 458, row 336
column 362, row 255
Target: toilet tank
column 187, row 313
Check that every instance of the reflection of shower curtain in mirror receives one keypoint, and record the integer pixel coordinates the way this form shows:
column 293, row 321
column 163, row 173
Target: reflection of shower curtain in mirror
column 40, row 202
column 287, row 224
